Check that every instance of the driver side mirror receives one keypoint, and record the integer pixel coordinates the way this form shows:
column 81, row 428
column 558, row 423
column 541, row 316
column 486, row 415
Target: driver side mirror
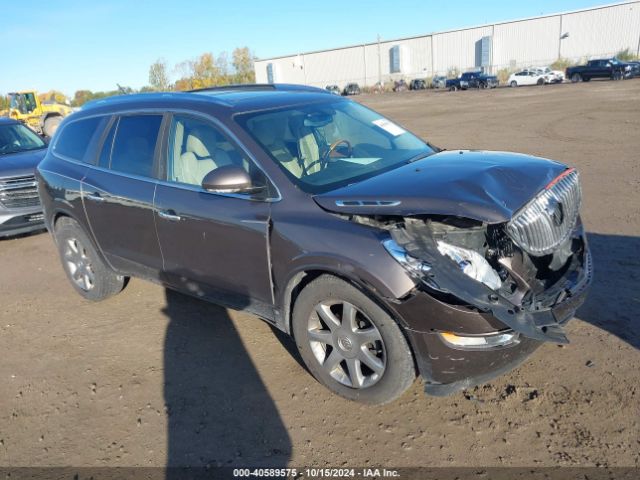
column 230, row 179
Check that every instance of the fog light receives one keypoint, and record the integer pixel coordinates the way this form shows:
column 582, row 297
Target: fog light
column 479, row 341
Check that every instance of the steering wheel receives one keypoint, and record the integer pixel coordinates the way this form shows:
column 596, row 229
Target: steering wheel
column 324, row 159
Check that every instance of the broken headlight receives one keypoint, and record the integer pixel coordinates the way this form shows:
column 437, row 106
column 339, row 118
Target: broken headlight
column 414, row 265
column 472, row 264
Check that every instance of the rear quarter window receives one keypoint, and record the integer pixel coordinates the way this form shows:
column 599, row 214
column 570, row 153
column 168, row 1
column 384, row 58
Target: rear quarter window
column 76, row 138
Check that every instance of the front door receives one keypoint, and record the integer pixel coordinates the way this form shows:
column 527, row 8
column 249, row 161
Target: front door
column 118, row 196
column 214, row 246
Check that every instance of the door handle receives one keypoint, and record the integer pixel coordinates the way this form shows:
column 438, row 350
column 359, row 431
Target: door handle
column 169, row 215
column 95, row 197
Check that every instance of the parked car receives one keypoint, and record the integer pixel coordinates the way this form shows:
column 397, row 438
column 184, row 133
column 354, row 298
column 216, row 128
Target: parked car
column 400, row 86
column 527, row 77
column 380, row 253
column 21, row 150
column 635, row 69
column 551, row 76
column 472, row 80
column 439, row 81
column 602, row 68
column 417, row 84
column 333, row 89
column 351, row 89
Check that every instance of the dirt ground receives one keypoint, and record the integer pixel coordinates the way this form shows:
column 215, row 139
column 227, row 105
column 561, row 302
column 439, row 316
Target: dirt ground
column 150, row 378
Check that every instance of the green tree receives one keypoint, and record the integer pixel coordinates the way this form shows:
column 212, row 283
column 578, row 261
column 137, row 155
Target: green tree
column 205, row 71
column 243, row 61
column 158, row 77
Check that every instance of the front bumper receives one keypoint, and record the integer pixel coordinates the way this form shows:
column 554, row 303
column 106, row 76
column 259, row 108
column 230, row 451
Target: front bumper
column 18, row 221
column 447, row 369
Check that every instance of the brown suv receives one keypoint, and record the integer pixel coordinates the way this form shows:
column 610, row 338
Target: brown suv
column 382, row 255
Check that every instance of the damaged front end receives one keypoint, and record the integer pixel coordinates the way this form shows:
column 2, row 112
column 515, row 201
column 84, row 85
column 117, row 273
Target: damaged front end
column 488, row 294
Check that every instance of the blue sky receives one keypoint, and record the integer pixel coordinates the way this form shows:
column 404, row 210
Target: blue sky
column 69, row 45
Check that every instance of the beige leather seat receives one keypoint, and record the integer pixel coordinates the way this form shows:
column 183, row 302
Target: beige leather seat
column 308, row 148
column 271, row 133
column 196, row 161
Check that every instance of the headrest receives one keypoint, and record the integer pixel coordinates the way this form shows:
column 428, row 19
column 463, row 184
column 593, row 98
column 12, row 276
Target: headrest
column 195, row 145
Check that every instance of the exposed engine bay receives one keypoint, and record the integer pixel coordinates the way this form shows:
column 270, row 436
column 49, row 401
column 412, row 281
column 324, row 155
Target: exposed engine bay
column 478, row 265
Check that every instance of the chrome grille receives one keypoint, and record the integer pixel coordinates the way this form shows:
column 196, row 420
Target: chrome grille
column 19, row 192
column 548, row 220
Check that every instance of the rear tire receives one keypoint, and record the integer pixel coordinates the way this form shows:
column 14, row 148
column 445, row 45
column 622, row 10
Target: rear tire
column 576, row 77
column 89, row 275
column 51, row 124
column 350, row 344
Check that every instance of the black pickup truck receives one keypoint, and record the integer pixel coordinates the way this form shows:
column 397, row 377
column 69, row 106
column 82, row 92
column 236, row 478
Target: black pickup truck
column 472, row 80
column 602, row 68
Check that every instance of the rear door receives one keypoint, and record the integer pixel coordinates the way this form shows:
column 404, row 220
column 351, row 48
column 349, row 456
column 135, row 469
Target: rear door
column 599, row 69
column 214, row 245
column 118, row 195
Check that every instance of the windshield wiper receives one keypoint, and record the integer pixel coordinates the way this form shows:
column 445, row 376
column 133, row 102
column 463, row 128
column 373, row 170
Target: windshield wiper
column 420, row 156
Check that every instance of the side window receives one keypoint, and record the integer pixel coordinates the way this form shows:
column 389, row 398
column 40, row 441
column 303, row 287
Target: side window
column 197, row 147
column 76, row 137
column 30, row 102
column 134, row 144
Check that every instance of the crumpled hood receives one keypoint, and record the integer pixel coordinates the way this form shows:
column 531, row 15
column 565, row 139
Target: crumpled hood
column 481, row 185
column 21, row 163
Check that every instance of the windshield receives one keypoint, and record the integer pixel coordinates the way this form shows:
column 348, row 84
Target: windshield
column 18, row 138
column 328, row 145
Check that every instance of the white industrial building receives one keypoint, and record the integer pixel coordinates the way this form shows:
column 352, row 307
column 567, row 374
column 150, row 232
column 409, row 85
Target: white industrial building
column 577, row 35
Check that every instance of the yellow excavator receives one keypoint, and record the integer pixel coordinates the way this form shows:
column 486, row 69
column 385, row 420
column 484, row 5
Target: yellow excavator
column 42, row 117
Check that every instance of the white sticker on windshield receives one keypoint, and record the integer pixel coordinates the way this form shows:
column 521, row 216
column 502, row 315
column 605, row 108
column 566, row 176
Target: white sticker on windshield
column 360, row 161
column 389, row 127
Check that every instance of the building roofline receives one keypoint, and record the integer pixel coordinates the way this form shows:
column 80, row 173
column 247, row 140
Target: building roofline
column 431, row 34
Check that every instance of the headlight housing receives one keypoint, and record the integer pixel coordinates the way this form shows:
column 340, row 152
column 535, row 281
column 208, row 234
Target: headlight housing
column 472, row 264
column 414, row 265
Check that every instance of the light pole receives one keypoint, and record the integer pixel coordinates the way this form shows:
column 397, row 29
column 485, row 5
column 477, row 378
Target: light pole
column 379, row 63
column 562, row 37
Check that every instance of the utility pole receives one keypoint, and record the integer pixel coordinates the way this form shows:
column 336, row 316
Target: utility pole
column 560, row 40
column 364, row 63
column 379, row 63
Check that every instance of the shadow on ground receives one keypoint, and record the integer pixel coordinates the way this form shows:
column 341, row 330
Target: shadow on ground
column 219, row 411
column 615, row 294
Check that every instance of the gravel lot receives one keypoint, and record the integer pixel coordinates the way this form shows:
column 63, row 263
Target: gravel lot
column 151, row 378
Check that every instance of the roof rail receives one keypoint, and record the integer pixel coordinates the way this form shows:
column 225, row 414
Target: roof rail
column 288, row 87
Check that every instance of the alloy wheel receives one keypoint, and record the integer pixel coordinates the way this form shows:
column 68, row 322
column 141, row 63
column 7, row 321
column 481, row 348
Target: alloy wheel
column 346, row 344
column 78, row 264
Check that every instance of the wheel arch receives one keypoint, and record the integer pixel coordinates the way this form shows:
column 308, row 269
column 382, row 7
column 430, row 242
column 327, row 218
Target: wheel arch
column 61, row 213
column 304, row 276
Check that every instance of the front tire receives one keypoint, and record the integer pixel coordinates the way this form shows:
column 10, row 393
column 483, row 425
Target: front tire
column 513, row 84
column 50, row 126
column 350, row 344
column 89, row 275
